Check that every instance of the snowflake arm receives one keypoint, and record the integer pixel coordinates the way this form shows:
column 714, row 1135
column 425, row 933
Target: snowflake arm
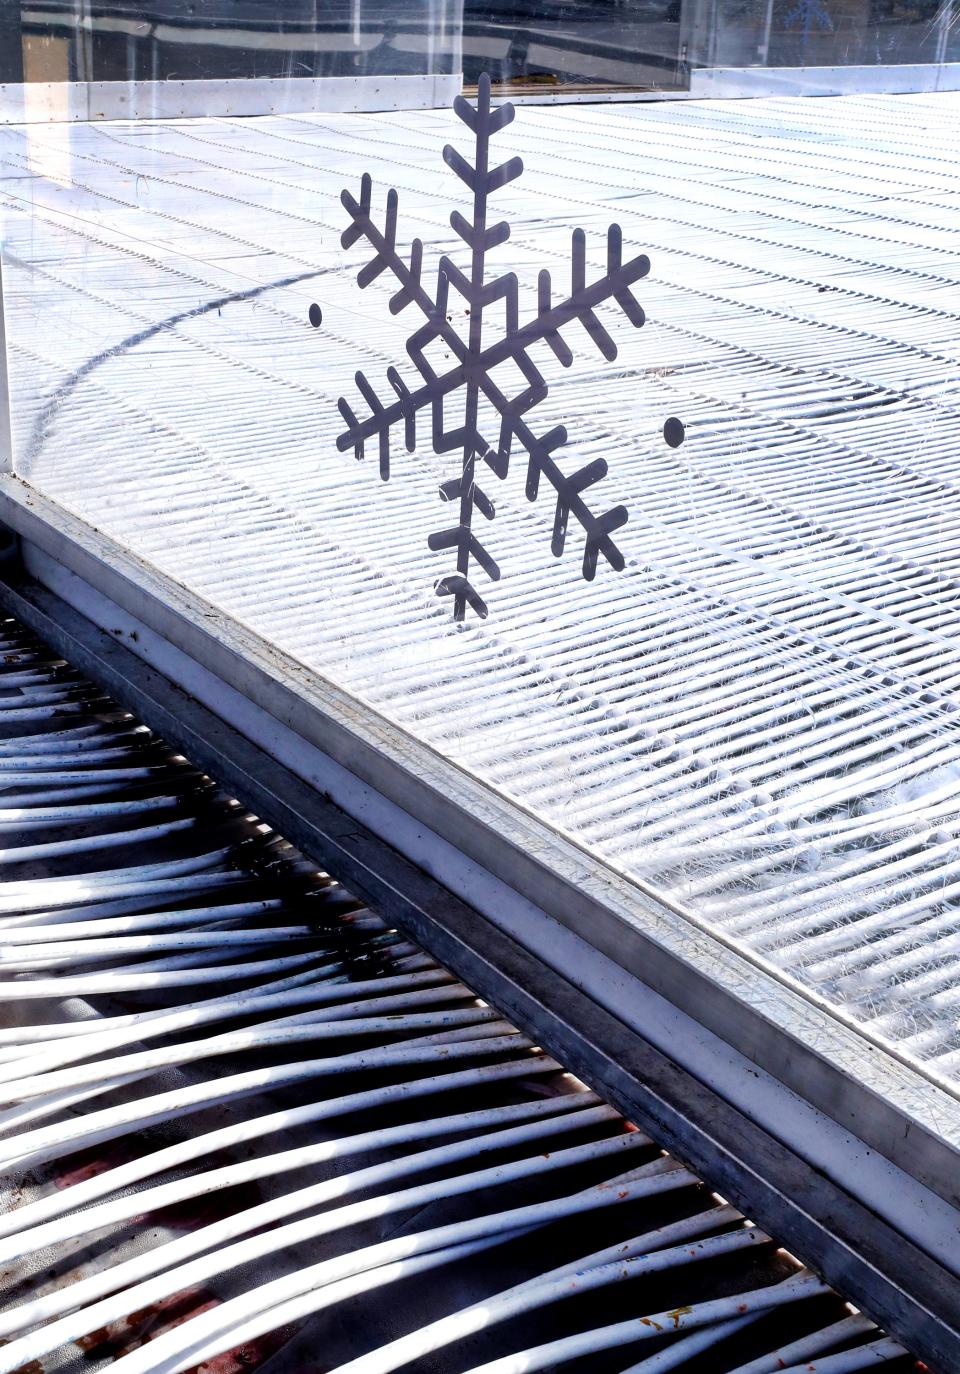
column 545, row 325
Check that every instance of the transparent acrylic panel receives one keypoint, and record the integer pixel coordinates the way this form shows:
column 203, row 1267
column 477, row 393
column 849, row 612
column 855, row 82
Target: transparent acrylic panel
column 564, row 46
column 757, row 715
column 826, row 33
column 949, row 25
column 190, row 40
column 820, row 33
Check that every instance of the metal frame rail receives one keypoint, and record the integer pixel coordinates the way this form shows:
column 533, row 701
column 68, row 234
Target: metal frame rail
column 725, row 1072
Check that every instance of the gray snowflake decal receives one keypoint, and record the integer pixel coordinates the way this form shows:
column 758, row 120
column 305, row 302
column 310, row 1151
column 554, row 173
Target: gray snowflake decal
column 474, row 360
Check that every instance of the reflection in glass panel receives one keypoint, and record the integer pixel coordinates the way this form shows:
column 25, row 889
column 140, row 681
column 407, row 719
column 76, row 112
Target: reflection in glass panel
column 534, row 47
column 186, row 40
column 822, row 33
column 563, row 46
column 566, row 45
column 949, row 29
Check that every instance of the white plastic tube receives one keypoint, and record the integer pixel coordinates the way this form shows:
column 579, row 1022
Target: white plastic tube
column 52, row 1142
column 644, row 1328
column 625, row 1261
column 269, row 1305
column 261, row 1037
column 240, row 1252
column 243, row 1133
column 807, row 1347
column 334, row 990
column 108, row 1214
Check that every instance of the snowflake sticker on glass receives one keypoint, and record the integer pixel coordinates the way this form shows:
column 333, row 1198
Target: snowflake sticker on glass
column 474, row 378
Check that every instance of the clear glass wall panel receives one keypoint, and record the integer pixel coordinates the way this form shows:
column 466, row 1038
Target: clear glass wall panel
column 527, row 46
column 949, row 26
column 565, row 46
column 186, row 40
column 756, row 714
column 819, row 33
column 824, row 33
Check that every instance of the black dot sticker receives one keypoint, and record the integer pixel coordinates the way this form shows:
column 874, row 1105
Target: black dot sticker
column 674, row 432
column 316, row 315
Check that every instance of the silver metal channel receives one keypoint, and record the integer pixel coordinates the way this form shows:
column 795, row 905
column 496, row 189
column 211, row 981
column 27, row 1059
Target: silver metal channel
column 828, row 1140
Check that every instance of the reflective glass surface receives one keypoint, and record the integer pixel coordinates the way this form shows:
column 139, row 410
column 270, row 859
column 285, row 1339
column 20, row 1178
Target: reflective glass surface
column 185, row 40
column 528, row 47
column 570, row 45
